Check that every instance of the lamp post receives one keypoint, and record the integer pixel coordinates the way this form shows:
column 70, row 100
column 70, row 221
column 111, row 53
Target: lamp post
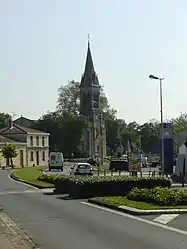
column 161, row 118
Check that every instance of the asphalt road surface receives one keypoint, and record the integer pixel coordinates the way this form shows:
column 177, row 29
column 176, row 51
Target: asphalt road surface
column 66, row 171
column 56, row 223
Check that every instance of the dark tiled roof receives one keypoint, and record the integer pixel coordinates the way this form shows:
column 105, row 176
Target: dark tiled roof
column 6, row 140
column 25, row 122
column 17, row 129
column 25, row 129
column 2, row 130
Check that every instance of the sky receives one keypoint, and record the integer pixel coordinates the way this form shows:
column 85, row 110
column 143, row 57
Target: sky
column 43, row 45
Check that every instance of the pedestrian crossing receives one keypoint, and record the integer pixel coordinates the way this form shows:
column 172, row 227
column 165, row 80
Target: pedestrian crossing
column 165, row 218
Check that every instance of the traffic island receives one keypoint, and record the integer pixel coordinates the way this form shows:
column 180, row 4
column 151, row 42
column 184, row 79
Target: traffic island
column 30, row 175
column 121, row 203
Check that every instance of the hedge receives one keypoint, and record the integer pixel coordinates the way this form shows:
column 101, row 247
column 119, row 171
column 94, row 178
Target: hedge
column 111, row 185
column 101, row 186
column 61, row 182
column 159, row 196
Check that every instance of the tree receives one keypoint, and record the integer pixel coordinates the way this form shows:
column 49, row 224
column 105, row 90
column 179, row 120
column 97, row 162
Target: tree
column 179, row 123
column 51, row 123
column 5, row 119
column 69, row 100
column 65, row 131
column 72, row 130
column 9, row 152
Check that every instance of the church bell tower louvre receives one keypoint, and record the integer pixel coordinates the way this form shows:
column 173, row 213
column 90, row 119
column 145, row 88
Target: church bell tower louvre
column 94, row 138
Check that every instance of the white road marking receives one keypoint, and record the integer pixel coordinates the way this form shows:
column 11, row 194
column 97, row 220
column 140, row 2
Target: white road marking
column 27, row 191
column 165, row 218
column 172, row 229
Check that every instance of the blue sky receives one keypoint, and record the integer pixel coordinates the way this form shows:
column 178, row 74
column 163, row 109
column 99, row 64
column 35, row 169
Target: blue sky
column 43, row 44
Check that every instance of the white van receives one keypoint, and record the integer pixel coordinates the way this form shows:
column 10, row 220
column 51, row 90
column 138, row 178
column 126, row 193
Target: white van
column 56, row 161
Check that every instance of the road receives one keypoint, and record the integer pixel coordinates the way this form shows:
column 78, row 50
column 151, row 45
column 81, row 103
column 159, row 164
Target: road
column 56, row 223
column 66, row 170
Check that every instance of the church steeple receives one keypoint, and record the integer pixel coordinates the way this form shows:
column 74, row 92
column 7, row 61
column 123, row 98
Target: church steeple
column 89, row 77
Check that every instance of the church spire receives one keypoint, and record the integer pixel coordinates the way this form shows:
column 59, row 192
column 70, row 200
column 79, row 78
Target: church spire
column 89, row 77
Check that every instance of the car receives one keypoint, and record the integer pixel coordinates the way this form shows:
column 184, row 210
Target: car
column 118, row 165
column 92, row 161
column 81, row 169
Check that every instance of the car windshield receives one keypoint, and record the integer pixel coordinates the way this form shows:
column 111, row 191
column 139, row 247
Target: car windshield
column 83, row 166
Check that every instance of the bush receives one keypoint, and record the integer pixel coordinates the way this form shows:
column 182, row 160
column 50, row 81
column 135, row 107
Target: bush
column 61, row 182
column 111, row 185
column 159, row 196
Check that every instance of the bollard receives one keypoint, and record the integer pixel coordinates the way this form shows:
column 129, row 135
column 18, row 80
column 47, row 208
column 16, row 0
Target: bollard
column 104, row 172
column 119, row 172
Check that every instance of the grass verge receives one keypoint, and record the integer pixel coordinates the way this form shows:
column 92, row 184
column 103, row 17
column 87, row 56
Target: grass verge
column 123, row 201
column 30, row 174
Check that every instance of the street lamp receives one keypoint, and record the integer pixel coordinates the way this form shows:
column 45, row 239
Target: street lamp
column 161, row 117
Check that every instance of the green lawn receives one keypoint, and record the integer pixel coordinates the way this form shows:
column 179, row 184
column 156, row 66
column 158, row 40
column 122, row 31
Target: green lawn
column 123, row 201
column 31, row 174
column 68, row 164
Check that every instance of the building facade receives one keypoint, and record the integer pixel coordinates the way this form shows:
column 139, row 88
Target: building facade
column 32, row 145
column 94, row 139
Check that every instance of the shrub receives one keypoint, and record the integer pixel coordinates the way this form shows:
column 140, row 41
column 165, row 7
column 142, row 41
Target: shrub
column 61, row 182
column 160, row 196
column 111, row 185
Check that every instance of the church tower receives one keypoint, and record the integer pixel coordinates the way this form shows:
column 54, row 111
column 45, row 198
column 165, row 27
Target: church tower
column 94, row 140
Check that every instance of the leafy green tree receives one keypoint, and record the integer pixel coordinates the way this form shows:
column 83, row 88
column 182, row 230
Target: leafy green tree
column 72, row 130
column 5, row 119
column 9, row 152
column 68, row 101
column 65, row 131
column 179, row 123
column 52, row 123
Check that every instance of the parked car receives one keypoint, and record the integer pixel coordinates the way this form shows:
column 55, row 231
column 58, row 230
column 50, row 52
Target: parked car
column 119, row 164
column 92, row 161
column 81, row 169
column 155, row 162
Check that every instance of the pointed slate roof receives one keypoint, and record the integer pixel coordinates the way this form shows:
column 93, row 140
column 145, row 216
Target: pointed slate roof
column 17, row 129
column 89, row 77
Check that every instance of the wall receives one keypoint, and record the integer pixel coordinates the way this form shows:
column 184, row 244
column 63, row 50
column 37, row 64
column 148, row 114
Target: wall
column 46, row 140
column 180, row 164
column 182, row 149
column 33, row 159
column 16, row 160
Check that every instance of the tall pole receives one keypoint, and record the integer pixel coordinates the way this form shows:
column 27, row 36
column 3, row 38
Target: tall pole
column 161, row 119
column 140, row 152
column 162, row 125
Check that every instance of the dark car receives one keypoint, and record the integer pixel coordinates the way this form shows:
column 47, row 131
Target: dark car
column 118, row 165
column 92, row 161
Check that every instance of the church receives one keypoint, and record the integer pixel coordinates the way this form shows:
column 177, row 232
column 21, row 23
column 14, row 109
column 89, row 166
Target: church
column 94, row 138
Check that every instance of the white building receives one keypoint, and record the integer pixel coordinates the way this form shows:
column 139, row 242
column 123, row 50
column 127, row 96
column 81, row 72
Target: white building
column 32, row 145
